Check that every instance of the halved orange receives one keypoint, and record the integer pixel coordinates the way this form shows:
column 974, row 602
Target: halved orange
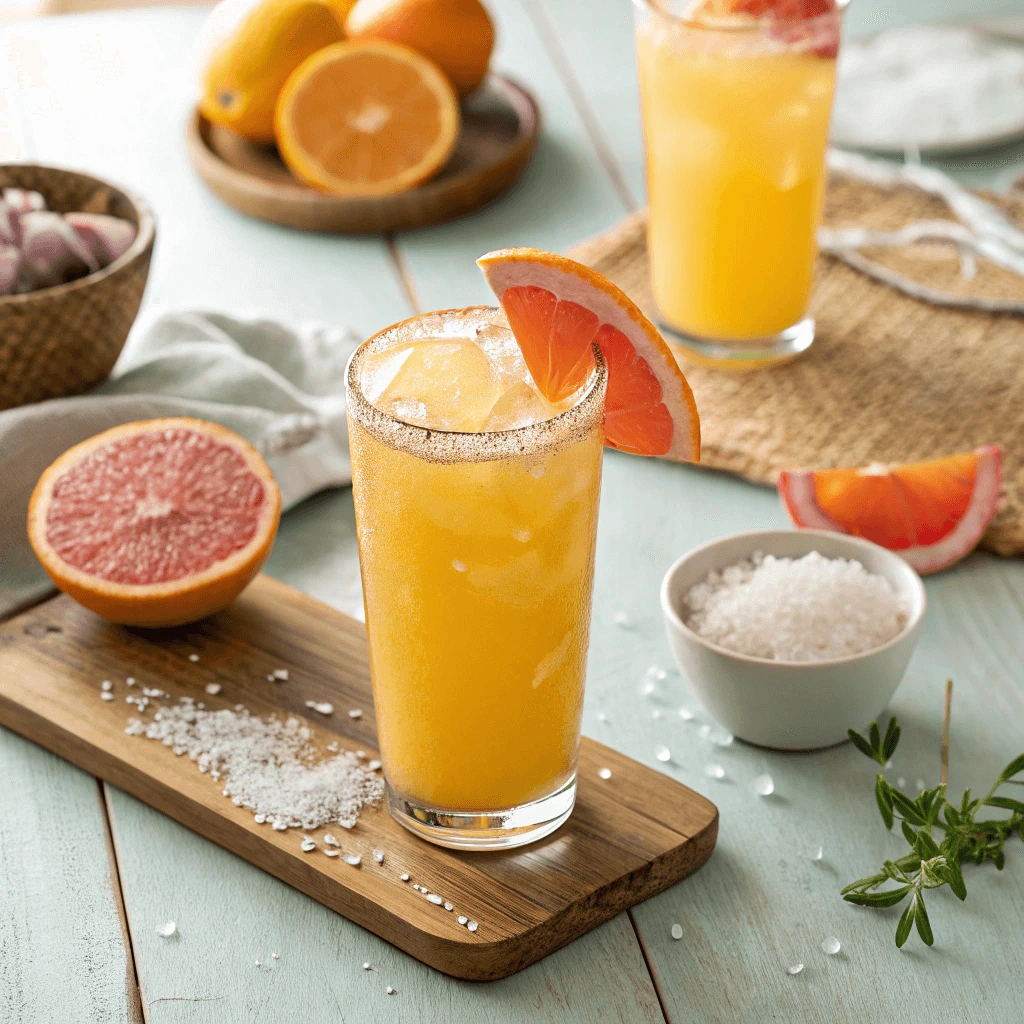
column 931, row 513
column 367, row 118
column 558, row 310
column 155, row 523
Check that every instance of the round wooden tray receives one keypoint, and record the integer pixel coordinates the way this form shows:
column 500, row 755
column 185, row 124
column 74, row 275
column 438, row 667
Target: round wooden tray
column 500, row 127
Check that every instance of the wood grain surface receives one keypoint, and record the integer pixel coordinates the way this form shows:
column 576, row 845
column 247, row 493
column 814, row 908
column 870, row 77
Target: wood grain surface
column 629, row 837
column 93, row 92
column 500, row 128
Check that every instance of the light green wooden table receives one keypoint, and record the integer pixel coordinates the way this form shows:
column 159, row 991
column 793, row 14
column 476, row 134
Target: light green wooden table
column 87, row 873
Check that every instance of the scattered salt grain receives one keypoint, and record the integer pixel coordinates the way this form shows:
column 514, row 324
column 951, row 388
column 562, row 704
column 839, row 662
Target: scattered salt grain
column 459, row 566
column 647, row 687
column 605, row 773
column 831, row 946
column 308, row 846
column 462, row 919
column 212, row 689
column 367, row 967
column 274, row 956
column 271, row 679
column 260, row 819
column 106, row 685
column 716, row 735
column 714, row 771
column 663, row 753
column 378, row 856
column 602, row 717
column 405, row 878
column 271, row 767
column 818, row 854
column 130, row 681
column 656, row 714
column 332, row 853
column 353, row 859
column 330, row 840
column 281, row 675
column 432, row 897
column 764, row 785
column 165, row 931
column 390, row 991
column 622, row 620
column 105, row 695
column 677, row 931
column 795, row 969
column 323, row 707
column 355, row 713
column 372, row 766
column 193, row 657
column 472, row 926
column 449, row 906
column 686, row 714
column 804, row 609
column 656, row 672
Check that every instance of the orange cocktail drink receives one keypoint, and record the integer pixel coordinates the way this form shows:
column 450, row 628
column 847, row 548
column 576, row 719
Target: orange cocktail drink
column 736, row 98
column 476, row 510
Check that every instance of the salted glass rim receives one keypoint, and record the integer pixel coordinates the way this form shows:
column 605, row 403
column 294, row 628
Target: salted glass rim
column 725, row 24
column 451, row 446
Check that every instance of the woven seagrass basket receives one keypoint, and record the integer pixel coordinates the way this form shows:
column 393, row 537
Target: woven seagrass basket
column 65, row 340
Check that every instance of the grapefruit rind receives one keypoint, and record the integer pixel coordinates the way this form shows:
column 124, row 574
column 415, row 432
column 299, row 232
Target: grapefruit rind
column 575, row 282
column 175, row 602
column 797, row 491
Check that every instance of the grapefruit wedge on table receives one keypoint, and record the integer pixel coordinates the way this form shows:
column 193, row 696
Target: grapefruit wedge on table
column 932, row 513
column 558, row 310
column 155, row 523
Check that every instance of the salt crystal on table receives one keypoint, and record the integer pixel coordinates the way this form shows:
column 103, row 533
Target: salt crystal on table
column 193, row 657
column 831, row 946
column 764, row 785
column 663, row 753
column 714, row 771
column 818, row 854
column 165, row 931
column 621, row 619
column 686, row 714
column 605, row 773
column 212, row 689
column 677, row 931
column 805, row 609
column 795, row 969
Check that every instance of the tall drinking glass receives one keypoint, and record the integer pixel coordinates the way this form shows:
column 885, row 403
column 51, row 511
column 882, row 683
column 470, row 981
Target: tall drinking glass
column 476, row 547
column 735, row 114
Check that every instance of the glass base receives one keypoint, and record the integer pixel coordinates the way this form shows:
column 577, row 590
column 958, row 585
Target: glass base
column 745, row 353
column 486, row 830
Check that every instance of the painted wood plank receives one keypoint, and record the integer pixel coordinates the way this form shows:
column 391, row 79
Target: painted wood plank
column 63, row 950
column 563, row 196
column 100, row 93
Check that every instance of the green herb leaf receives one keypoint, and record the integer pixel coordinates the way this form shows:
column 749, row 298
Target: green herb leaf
column 883, row 797
column 906, row 807
column 892, row 737
column 861, row 744
column 1005, row 801
column 906, row 922
column 908, row 833
column 925, row 846
column 956, row 877
column 1013, row 768
column 924, row 928
column 876, row 739
column 879, row 899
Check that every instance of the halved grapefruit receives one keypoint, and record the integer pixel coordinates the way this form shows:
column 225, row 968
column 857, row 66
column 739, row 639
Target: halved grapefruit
column 931, row 513
column 155, row 523
column 558, row 310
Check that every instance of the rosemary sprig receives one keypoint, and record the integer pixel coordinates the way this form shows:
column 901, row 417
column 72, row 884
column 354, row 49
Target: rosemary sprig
column 931, row 865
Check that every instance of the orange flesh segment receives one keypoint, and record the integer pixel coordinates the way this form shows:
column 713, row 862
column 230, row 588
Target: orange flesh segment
column 911, row 505
column 557, row 336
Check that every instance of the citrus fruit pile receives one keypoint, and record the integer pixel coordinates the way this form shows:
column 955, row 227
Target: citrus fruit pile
column 362, row 99
column 155, row 523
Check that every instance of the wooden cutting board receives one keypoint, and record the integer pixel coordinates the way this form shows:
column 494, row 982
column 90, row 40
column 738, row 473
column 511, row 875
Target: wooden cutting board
column 629, row 837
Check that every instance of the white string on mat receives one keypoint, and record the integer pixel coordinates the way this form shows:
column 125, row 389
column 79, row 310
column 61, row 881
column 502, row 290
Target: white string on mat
column 983, row 231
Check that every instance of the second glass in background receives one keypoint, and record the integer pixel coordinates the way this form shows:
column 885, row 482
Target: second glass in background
column 735, row 115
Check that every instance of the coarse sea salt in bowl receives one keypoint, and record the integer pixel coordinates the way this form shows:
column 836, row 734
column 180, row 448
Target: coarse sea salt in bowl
column 822, row 644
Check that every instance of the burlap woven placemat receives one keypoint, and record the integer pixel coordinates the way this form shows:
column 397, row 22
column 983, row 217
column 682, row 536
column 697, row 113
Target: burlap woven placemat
column 888, row 379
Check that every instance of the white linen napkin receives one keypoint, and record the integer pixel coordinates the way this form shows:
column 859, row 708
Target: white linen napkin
column 282, row 389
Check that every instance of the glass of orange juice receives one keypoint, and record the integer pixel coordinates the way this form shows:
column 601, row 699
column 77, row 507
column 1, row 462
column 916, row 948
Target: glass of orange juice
column 736, row 97
column 476, row 513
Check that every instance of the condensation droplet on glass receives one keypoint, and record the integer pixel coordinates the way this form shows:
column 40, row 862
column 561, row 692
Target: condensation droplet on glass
column 901, row 782
column 663, row 753
column 920, row 785
column 537, row 471
column 831, row 946
column 523, row 536
column 459, row 566
column 677, row 931
column 795, row 969
column 714, row 771
column 165, row 931
column 764, row 785
column 605, row 773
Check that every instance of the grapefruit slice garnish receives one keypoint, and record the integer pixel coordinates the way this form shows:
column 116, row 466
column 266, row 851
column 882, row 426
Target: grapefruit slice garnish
column 558, row 310
column 155, row 523
column 931, row 513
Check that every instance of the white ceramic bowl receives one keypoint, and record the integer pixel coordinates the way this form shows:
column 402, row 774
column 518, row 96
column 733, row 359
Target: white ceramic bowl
column 790, row 705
